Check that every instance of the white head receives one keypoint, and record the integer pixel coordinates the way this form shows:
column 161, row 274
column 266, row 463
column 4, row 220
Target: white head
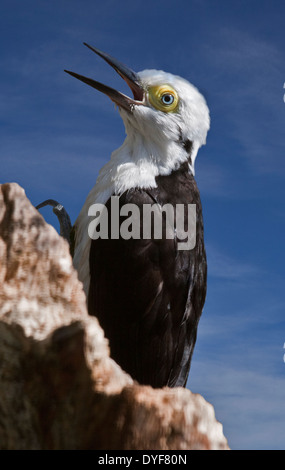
column 174, row 117
column 166, row 121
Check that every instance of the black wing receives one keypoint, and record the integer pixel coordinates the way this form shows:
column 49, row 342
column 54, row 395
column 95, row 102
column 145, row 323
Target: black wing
column 148, row 295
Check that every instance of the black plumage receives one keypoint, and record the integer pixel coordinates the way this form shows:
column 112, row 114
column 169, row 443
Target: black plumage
column 147, row 294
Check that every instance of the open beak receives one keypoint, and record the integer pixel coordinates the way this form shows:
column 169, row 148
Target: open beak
column 130, row 77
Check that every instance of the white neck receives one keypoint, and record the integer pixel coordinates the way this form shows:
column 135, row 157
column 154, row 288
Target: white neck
column 137, row 163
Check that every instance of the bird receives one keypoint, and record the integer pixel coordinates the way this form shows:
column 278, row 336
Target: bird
column 147, row 294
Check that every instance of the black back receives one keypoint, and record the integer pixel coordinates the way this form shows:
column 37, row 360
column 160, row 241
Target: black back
column 147, row 294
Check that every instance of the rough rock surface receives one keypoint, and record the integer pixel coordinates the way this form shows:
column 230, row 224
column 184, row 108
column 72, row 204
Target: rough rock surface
column 59, row 389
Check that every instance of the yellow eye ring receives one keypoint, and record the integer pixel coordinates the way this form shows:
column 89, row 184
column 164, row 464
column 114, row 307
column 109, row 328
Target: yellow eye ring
column 164, row 98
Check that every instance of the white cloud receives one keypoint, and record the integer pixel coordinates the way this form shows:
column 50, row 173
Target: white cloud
column 250, row 404
column 226, row 267
column 250, row 71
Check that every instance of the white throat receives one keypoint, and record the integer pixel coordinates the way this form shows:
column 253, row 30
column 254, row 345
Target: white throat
column 138, row 162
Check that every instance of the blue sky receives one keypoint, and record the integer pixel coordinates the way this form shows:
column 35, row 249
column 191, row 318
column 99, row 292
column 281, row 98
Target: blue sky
column 56, row 133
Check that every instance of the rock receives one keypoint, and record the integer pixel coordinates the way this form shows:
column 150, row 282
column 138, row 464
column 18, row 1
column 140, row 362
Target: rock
column 59, row 387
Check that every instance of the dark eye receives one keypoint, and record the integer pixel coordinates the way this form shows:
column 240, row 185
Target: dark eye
column 167, row 99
